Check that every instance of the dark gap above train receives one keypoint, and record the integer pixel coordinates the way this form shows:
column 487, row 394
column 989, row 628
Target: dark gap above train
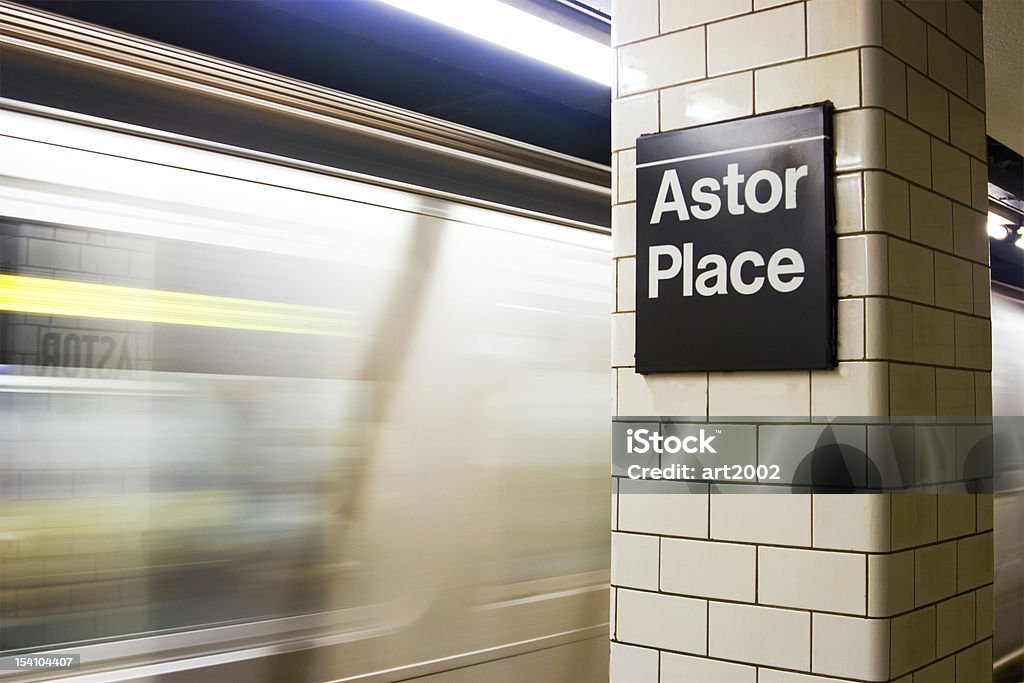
column 375, row 51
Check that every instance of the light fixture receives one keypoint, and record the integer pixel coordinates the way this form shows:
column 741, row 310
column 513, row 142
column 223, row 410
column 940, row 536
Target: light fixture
column 999, row 227
column 520, row 31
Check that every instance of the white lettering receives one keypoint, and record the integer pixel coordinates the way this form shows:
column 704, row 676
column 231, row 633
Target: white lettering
column 669, row 184
column 750, row 192
column 793, row 175
column 785, row 262
column 654, row 272
column 736, row 273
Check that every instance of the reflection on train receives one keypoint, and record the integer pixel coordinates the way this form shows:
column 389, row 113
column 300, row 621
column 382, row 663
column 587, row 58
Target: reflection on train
column 261, row 420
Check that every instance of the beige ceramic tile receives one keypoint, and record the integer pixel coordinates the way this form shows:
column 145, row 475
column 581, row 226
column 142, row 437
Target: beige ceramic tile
column 954, row 396
column 708, row 569
column 982, row 291
column 624, row 230
column 833, row 26
column 851, row 647
column 712, row 100
column 660, row 62
column 951, row 172
column 890, row 583
column 883, row 80
column 635, row 561
column 967, row 127
column 832, row 522
column 911, row 391
column 947, row 62
column 851, row 388
column 886, row 203
column 934, row 572
column 913, row 640
column 850, row 327
column 862, row 264
column 678, row 14
column 860, row 139
column 970, row 237
column 676, row 668
column 907, row 151
column 954, row 282
column 974, row 561
column 889, row 330
column 662, row 394
column 629, row 664
column 929, row 10
column 779, row 519
column 834, row 77
column 849, row 198
column 625, row 291
column 973, row 342
column 623, row 337
column 904, row 34
column 931, row 219
column 632, row 117
column 759, row 635
column 927, row 104
column 662, row 621
column 933, row 336
column 965, row 26
column 634, row 20
column 911, row 272
column 976, row 82
column 812, row 579
column 780, row 37
column 759, row 393
column 669, row 511
column 975, row 663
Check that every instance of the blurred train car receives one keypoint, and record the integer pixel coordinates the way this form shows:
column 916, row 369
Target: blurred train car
column 294, row 386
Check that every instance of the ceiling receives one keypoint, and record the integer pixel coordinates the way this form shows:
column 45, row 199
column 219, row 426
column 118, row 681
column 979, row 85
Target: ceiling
column 375, row 51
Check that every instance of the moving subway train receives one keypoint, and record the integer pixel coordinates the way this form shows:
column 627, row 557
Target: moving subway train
column 291, row 392
column 296, row 386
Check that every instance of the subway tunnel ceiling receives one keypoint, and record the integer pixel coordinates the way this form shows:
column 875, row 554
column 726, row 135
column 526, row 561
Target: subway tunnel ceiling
column 375, row 51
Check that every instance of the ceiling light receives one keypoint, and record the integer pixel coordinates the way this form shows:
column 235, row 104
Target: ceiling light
column 520, row 31
column 998, row 227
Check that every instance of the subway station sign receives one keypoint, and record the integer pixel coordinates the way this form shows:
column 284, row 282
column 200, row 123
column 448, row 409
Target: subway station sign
column 735, row 245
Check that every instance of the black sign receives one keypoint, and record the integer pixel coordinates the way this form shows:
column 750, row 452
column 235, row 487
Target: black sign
column 735, row 245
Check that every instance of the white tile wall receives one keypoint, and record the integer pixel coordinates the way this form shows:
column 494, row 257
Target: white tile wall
column 668, row 514
column 834, row 77
column 635, row 561
column 662, row 621
column 678, row 14
column 716, row 99
column 812, row 579
column 890, row 583
column 677, row 668
column 832, row 528
column 864, row 649
column 708, row 569
column 631, row 664
column 759, row 635
column 780, row 37
column 660, row 62
column 914, row 173
column 782, row 519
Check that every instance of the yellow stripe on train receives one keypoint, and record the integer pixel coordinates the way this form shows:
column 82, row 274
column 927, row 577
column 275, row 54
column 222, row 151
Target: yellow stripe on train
column 45, row 296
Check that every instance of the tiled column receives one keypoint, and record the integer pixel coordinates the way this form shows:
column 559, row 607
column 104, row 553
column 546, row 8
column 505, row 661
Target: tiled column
column 798, row 588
